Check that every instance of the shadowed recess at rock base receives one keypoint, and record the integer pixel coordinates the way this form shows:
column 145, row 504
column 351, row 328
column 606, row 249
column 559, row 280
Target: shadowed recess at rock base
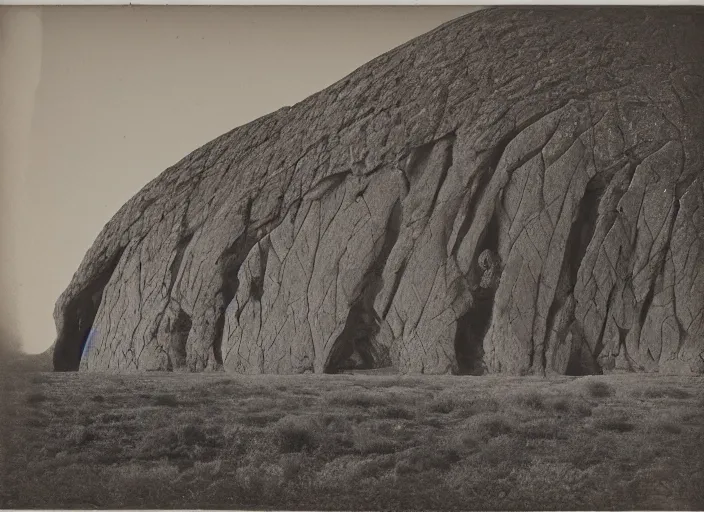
column 519, row 191
column 78, row 316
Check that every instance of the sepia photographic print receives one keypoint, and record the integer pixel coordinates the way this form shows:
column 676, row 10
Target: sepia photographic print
column 352, row 258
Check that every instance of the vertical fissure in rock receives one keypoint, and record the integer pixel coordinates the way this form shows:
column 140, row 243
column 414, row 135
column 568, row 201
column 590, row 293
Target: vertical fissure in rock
column 79, row 316
column 583, row 227
column 484, row 176
column 217, row 340
column 256, row 290
column 355, row 348
column 557, row 303
column 488, row 164
column 230, row 266
column 599, row 346
column 680, row 328
column 578, row 240
column 446, row 164
column 178, row 259
column 177, row 338
column 473, row 326
column 394, row 288
column 230, row 262
column 230, row 286
column 646, row 305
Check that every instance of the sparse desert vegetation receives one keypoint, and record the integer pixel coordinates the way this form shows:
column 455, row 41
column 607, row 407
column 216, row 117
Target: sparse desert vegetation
column 77, row 440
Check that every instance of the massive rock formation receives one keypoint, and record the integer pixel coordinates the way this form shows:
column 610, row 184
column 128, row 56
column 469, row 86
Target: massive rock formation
column 519, row 191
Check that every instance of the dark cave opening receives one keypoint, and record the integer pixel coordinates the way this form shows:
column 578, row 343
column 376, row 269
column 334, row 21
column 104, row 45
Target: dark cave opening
column 469, row 339
column 179, row 330
column 582, row 362
column 354, row 348
column 79, row 315
column 473, row 326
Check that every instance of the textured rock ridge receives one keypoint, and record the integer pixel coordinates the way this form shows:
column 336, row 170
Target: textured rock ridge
column 519, row 191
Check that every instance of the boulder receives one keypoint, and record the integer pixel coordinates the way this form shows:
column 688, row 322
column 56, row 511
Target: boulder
column 519, row 191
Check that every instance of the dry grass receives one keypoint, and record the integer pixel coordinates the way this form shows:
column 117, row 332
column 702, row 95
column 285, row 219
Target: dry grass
column 352, row 442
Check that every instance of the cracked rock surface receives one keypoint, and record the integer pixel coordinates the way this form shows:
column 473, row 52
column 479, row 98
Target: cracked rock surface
column 519, row 191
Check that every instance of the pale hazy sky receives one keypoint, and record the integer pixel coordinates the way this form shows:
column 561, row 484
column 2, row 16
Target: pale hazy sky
column 96, row 101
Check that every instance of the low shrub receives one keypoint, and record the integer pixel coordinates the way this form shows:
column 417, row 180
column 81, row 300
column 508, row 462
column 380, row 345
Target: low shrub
column 260, row 419
column 443, row 405
column 367, row 442
column 297, row 434
column 582, row 409
column 571, row 405
column 423, row 459
column 395, row 412
column 166, row 400
column 466, row 441
column 531, row 400
column 158, row 443
column 614, row 424
column 561, row 404
column 541, row 429
column 598, row 389
column 492, row 425
column 79, row 435
column 190, row 435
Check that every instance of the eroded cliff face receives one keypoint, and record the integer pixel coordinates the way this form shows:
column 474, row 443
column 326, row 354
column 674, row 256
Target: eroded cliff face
column 518, row 191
